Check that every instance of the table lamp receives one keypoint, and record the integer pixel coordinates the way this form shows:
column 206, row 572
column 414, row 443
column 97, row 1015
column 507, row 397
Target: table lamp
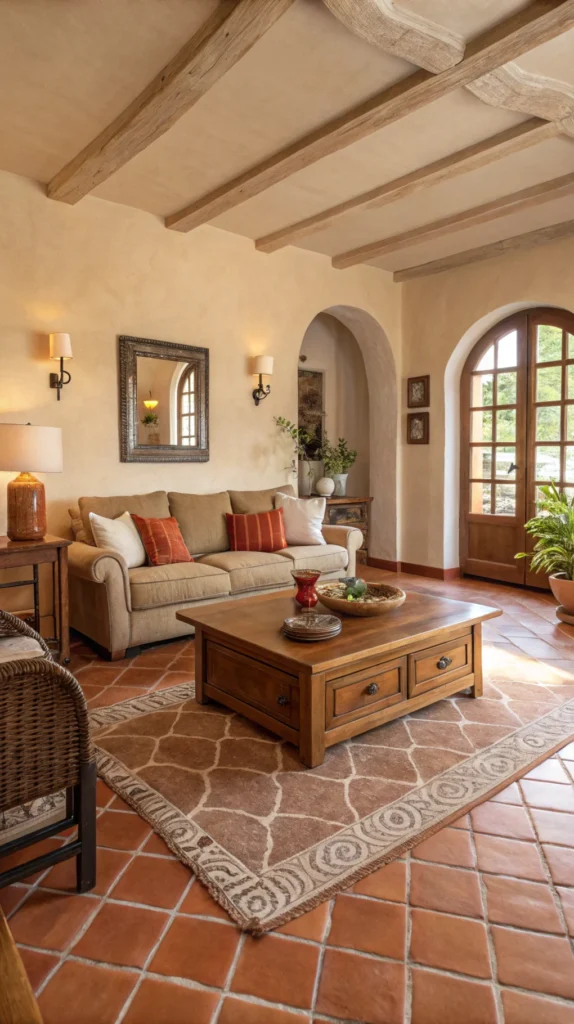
column 28, row 449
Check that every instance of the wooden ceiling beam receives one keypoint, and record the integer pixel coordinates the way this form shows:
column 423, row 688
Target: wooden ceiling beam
column 512, row 88
column 396, row 30
column 540, row 21
column 514, row 202
column 233, row 28
column 513, row 140
column 487, row 252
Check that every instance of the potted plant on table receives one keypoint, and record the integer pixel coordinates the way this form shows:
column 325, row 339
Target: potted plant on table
column 337, row 461
column 300, row 439
column 553, row 528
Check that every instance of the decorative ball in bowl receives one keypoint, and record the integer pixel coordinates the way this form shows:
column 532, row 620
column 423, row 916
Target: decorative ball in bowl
column 354, row 596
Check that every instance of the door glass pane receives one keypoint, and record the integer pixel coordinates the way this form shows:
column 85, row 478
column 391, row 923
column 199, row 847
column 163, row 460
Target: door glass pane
column 570, row 422
column 547, row 462
column 549, row 384
column 505, row 499
column 506, row 389
column 571, row 346
column 569, row 492
column 504, row 460
column 506, row 425
column 480, row 463
column 487, row 361
column 482, row 389
column 571, row 382
column 481, row 426
column 569, row 464
column 548, row 423
column 507, row 350
column 480, row 502
column 548, row 343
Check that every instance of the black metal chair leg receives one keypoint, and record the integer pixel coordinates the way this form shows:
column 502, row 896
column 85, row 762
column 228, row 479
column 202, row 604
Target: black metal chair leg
column 85, row 803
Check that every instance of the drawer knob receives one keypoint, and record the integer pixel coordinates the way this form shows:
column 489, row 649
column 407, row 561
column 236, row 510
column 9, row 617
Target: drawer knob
column 444, row 662
column 372, row 688
column 283, row 701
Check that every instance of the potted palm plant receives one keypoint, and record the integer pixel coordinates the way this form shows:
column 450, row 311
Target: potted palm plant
column 553, row 528
column 337, row 461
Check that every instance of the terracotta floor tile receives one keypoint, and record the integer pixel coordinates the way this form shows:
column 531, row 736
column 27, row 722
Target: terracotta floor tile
column 388, row 883
column 37, row 965
column 30, row 853
column 104, row 795
column 463, row 822
column 163, row 1002
column 357, row 988
column 11, row 896
column 154, row 881
column 541, row 963
column 276, row 969
column 451, row 943
column 500, row 856
column 560, row 860
column 114, row 694
column 98, row 674
column 85, row 994
column 510, row 795
column 121, row 935
column 121, row 830
column 502, row 820
column 239, row 1011
column 450, row 890
column 202, row 951
column 109, row 863
column 567, row 900
column 437, row 997
column 451, row 846
column 311, row 925
column 554, row 827
column 523, row 904
column 369, row 925
column 155, row 844
column 146, row 677
column 551, row 796
column 118, row 804
column 520, row 1008
column 50, row 920
column 549, row 771
column 199, row 901
column 567, row 753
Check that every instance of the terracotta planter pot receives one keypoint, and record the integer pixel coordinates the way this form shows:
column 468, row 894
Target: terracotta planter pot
column 563, row 591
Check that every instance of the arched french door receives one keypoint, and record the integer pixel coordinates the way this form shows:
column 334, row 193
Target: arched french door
column 517, row 432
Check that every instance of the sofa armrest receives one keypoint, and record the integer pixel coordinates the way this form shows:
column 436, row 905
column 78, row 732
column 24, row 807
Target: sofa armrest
column 100, row 565
column 346, row 537
column 100, row 599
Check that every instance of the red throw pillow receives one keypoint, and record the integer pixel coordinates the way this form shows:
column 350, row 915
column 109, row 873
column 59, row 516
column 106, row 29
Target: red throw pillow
column 261, row 531
column 162, row 540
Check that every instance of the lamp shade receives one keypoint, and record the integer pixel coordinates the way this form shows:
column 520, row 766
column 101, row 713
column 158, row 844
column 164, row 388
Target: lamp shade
column 264, row 365
column 28, row 449
column 60, row 346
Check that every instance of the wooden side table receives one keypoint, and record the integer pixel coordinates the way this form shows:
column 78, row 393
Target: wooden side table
column 52, row 551
column 349, row 511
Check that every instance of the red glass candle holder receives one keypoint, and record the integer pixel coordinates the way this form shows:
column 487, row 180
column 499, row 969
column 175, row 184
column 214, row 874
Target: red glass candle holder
column 306, row 596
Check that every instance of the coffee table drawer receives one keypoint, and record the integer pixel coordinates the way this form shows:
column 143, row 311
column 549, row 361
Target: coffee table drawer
column 365, row 692
column 265, row 687
column 444, row 663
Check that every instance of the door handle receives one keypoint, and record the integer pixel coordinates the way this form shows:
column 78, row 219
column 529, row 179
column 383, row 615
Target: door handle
column 372, row 688
column 283, row 701
column 511, row 468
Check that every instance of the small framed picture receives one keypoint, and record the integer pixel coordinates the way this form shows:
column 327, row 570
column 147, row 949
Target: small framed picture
column 418, row 428
column 418, row 392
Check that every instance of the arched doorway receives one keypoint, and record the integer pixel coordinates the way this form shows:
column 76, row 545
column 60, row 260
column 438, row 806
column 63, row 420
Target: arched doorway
column 517, row 432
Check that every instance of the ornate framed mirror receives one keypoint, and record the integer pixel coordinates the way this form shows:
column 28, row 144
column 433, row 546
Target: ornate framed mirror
column 164, row 401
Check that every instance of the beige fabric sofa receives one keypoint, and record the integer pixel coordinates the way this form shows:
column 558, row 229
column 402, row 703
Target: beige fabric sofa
column 119, row 608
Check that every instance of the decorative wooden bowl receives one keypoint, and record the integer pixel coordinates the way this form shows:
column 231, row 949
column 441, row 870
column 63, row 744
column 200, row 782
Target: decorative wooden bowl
column 379, row 598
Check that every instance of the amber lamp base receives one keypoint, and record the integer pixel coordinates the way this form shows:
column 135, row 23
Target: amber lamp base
column 26, row 508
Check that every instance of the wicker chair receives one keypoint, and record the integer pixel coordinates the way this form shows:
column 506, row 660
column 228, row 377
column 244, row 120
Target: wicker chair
column 45, row 747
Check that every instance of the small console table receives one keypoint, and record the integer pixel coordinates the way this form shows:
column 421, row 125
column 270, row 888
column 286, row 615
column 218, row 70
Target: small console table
column 52, row 551
column 351, row 512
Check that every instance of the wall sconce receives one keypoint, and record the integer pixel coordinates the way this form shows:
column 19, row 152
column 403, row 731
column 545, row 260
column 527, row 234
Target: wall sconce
column 262, row 367
column 60, row 348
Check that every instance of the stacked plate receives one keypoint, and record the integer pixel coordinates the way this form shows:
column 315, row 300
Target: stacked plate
column 311, row 626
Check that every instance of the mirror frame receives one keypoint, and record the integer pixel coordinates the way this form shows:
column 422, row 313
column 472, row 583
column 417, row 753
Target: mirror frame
column 130, row 451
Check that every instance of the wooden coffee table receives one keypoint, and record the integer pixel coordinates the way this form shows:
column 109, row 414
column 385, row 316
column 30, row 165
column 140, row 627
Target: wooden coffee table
column 317, row 694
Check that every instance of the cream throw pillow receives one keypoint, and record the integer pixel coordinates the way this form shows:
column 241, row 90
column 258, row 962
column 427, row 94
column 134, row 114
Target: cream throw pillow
column 303, row 518
column 120, row 535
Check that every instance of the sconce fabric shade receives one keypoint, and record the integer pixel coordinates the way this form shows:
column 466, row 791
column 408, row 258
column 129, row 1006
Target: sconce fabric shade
column 60, row 346
column 263, row 365
column 28, row 449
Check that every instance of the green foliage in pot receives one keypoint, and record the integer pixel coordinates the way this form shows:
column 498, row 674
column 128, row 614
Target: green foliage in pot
column 150, row 419
column 337, row 458
column 298, row 435
column 553, row 528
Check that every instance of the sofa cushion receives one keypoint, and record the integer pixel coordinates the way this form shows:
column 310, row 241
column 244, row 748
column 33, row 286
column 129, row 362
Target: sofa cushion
column 153, row 506
column 260, row 531
column 246, row 502
column 326, row 557
column 251, row 570
column 155, row 585
column 17, row 648
column 201, row 519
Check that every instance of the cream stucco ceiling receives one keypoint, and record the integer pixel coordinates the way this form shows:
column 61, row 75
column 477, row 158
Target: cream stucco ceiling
column 67, row 69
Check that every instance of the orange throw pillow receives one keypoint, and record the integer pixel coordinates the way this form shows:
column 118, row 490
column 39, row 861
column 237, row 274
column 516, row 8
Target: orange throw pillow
column 162, row 540
column 261, row 531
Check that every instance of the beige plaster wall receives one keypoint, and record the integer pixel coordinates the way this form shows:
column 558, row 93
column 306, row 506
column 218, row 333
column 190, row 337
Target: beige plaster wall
column 98, row 270
column 443, row 316
column 331, row 347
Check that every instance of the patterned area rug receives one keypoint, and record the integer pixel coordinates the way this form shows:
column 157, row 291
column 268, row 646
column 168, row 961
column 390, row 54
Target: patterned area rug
column 271, row 839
